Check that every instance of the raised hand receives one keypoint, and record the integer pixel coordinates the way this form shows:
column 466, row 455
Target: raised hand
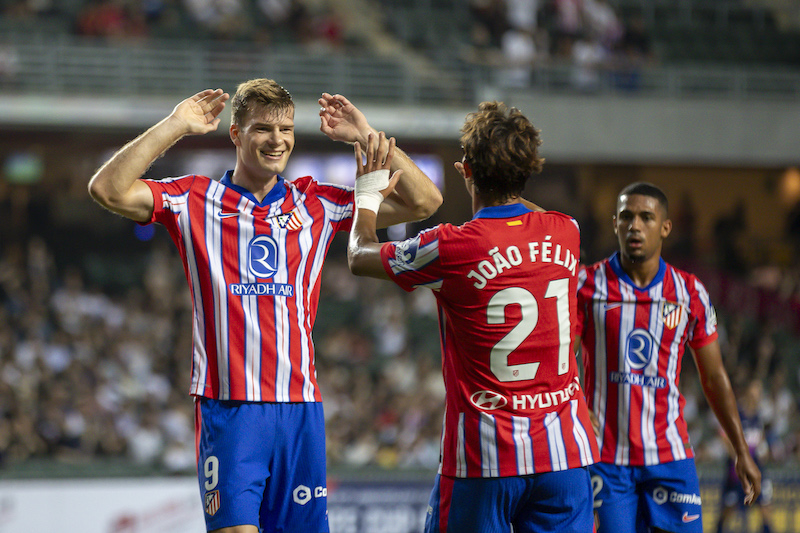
column 199, row 114
column 341, row 120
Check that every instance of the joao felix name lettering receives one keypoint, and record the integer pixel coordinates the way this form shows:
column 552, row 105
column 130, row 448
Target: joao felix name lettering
column 499, row 261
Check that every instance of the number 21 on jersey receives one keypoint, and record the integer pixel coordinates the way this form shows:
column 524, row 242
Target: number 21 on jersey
column 529, row 309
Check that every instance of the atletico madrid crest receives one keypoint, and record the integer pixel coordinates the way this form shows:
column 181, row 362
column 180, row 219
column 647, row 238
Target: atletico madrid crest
column 671, row 314
column 291, row 220
column 212, row 502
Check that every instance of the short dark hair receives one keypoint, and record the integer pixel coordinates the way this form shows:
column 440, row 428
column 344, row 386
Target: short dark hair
column 501, row 147
column 259, row 94
column 645, row 189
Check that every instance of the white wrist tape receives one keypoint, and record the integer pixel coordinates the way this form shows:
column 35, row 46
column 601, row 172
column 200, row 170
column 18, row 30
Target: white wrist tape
column 368, row 189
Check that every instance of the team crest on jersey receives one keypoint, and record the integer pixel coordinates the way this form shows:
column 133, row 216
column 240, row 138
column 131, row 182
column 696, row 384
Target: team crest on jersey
column 671, row 314
column 290, row 221
column 212, row 502
column 406, row 251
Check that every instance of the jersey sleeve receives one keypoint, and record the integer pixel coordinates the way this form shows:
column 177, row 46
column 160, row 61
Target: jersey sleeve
column 703, row 327
column 338, row 201
column 415, row 262
column 169, row 198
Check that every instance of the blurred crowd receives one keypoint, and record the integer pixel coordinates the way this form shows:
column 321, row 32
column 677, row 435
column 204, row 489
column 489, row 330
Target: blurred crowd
column 511, row 36
column 89, row 374
column 589, row 35
column 306, row 22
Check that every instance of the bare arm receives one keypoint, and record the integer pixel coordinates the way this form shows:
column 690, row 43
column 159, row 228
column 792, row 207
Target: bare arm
column 363, row 248
column 415, row 197
column 117, row 186
column 719, row 393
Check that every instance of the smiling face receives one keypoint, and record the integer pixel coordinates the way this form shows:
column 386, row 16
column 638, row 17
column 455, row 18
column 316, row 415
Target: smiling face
column 264, row 141
column 641, row 225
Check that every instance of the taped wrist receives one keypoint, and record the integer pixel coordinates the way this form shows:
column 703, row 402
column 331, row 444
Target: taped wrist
column 368, row 189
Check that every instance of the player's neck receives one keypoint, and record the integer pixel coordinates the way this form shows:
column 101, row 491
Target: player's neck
column 641, row 273
column 259, row 186
column 479, row 203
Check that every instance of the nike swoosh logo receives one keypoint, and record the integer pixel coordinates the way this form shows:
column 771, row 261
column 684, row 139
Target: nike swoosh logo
column 609, row 307
column 227, row 215
column 690, row 517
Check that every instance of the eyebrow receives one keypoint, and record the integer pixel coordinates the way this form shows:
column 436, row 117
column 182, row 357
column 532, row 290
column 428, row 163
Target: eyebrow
column 278, row 124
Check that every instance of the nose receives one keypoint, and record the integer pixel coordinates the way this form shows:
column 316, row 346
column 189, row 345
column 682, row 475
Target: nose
column 273, row 138
column 635, row 224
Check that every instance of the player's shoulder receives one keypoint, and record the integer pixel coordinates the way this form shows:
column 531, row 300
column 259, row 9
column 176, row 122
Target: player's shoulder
column 186, row 180
column 589, row 269
column 307, row 183
column 557, row 221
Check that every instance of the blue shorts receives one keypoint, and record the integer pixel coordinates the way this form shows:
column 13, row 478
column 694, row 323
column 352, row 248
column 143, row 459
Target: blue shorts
column 262, row 464
column 636, row 498
column 539, row 503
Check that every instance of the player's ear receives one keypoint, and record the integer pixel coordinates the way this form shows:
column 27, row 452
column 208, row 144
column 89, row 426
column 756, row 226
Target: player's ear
column 614, row 223
column 666, row 228
column 463, row 169
column 234, row 133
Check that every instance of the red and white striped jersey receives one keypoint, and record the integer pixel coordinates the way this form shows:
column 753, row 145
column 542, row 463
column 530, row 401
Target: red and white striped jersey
column 633, row 340
column 505, row 284
column 254, row 271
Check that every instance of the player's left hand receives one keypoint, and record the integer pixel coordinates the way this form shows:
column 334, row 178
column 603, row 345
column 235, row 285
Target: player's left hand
column 341, row 120
column 750, row 476
column 379, row 156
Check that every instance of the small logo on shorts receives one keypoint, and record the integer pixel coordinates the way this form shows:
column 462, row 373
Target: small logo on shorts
column 212, row 502
column 660, row 495
column 301, row 494
column 690, row 517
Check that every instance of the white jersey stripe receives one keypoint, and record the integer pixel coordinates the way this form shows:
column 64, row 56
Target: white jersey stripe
column 488, row 432
column 627, row 325
column 283, row 334
column 461, row 455
column 252, row 334
column 711, row 315
column 600, row 397
column 555, row 439
column 522, row 443
column 648, row 417
column 199, row 354
column 581, row 437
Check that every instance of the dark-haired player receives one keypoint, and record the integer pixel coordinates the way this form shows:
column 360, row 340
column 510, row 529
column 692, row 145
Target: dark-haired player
column 636, row 315
column 517, row 438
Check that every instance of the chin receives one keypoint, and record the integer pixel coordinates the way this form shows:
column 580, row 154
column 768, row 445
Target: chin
column 636, row 257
